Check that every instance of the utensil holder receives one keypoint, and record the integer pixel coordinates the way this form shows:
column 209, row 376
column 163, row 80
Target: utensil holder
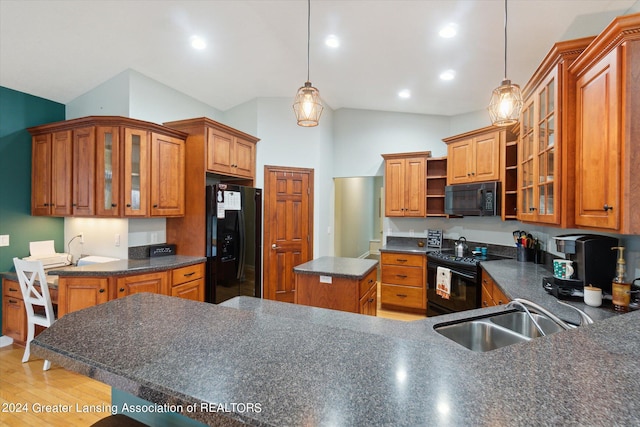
column 524, row 254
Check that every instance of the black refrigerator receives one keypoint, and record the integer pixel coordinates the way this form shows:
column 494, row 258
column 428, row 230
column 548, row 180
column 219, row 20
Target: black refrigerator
column 234, row 242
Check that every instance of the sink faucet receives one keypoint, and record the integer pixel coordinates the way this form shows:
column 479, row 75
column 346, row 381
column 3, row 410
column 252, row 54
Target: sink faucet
column 584, row 318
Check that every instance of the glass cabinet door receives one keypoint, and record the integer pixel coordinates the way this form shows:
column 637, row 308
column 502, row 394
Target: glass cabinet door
column 526, row 158
column 546, row 149
column 136, row 164
column 108, row 171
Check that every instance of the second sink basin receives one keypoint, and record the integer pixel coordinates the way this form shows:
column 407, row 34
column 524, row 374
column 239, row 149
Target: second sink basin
column 500, row 330
column 520, row 322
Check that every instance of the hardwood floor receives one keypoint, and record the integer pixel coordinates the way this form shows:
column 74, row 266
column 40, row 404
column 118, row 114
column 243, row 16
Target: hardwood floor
column 27, row 387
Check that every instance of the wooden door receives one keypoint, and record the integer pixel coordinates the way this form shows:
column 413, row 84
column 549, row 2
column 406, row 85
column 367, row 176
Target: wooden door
column 61, row 173
column 394, row 174
column 486, row 158
column 41, row 175
column 84, row 158
column 415, row 187
column 598, row 146
column 459, row 155
column 288, row 228
column 167, row 175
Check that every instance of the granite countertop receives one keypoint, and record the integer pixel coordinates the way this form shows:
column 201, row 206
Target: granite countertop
column 352, row 268
column 312, row 366
column 524, row 280
column 129, row 266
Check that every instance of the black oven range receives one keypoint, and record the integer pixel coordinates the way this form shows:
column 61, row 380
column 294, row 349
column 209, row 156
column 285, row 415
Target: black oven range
column 465, row 286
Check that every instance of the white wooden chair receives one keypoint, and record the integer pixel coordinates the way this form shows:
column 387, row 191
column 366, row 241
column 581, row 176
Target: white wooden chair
column 31, row 273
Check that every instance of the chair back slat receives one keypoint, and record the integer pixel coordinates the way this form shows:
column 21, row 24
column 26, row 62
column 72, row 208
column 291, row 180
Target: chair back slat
column 30, row 274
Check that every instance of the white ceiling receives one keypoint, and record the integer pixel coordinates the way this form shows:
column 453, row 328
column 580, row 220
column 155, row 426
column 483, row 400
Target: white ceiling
column 59, row 50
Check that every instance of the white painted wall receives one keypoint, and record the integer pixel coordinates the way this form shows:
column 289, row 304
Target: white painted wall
column 111, row 98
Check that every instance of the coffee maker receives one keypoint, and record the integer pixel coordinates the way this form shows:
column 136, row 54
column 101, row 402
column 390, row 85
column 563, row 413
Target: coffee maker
column 594, row 263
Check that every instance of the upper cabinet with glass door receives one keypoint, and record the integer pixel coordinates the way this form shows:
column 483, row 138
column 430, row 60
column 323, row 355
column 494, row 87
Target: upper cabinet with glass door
column 546, row 149
column 127, row 152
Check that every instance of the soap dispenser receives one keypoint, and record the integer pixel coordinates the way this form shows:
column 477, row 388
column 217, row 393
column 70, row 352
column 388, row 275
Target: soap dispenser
column 620, row 287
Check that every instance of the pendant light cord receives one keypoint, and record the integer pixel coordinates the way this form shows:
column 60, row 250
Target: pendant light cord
column 505, row 39
column 309, row 35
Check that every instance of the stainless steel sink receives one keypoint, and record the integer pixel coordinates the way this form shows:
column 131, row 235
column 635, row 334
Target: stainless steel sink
column 480, row 335
column 500, row 330
column 521, row 323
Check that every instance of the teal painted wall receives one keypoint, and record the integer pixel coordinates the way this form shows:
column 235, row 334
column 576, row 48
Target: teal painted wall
column 18, row 111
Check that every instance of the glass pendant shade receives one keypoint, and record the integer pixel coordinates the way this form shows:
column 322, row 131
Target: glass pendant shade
column 506, row 104
column 308, row 106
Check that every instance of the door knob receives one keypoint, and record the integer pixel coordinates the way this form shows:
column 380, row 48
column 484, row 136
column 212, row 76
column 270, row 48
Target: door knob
column 274, row 246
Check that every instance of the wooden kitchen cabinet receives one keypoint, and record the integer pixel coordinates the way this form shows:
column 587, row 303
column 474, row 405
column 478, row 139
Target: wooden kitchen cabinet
column 52, row 179
column 188, row 282
column 475, row 156
column 14, row 315
column 230, row 154
column 107, row 166
column 338, row 293
column 78, row 292
column 211, row 149
column 492, row 295
column 546, row 151
column 608, row 129
column 156, row 283
column 436, row 183
column 405, row 184
column 403, row 279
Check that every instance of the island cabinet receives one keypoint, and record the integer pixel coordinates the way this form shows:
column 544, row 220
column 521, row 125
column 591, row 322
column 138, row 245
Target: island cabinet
column 546, row 149
column 492, row 295
column 220, row 152
column 405, row 184
column 157, row 283
column 403, row 279
column 475, row 156
column 109, row 167
column 188, row 282
column 608, row 129
column 346, row 284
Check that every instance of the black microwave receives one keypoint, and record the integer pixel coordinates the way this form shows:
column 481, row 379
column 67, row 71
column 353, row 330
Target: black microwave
column 481, row 199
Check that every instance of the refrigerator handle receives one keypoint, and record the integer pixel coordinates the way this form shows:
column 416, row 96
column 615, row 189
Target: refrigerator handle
column 243, row 243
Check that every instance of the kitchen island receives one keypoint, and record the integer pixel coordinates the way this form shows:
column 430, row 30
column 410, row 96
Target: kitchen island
column 312, row 366
column 346, row 284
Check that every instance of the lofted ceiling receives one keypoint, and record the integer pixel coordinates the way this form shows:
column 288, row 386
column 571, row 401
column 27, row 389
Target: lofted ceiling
column 60, row 49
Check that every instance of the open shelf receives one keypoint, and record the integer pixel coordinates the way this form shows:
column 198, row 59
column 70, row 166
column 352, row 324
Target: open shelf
column 436, row 182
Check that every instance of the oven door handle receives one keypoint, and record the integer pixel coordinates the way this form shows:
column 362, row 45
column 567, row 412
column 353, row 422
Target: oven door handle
column 466, row 276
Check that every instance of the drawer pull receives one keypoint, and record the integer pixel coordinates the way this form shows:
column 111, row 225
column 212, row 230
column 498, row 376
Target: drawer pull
column 402, row 259
column 13, row 290
column 402, row 295
column 402, row 276
column 12, row 301
column 189, row 274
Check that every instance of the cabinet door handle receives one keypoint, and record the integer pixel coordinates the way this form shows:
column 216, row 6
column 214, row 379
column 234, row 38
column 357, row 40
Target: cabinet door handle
column 101, row 291
column 370, row 300
column 113, row 205
column 531, row 209
column 155, row 206
column 189, row 274
column 128, row 205
column 606, row 207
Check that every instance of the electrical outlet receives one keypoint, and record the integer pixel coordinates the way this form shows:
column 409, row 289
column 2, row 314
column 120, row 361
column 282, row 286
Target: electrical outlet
column 4, row 240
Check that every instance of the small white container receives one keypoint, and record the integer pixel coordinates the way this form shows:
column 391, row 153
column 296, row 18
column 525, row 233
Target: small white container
column 593, row 296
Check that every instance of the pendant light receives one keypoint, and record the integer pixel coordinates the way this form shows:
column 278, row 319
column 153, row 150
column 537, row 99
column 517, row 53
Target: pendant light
column 506, row 100
column 307, row 105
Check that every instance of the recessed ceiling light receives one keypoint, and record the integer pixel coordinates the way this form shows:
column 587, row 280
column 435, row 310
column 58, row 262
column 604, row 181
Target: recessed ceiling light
column 198, row 42
column 332, row 41
column 449, row 30
column 447, row 75
column 405, row 93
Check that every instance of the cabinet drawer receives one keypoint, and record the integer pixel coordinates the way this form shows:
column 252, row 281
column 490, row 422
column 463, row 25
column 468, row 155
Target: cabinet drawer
column 368, row 282
column 408, row 276
column 404, row 296
column 402, row 259
column 186, row 274
column 11, row 289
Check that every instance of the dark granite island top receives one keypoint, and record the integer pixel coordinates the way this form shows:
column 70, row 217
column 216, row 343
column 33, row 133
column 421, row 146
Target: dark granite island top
column 351, row 268
column 310, row 366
